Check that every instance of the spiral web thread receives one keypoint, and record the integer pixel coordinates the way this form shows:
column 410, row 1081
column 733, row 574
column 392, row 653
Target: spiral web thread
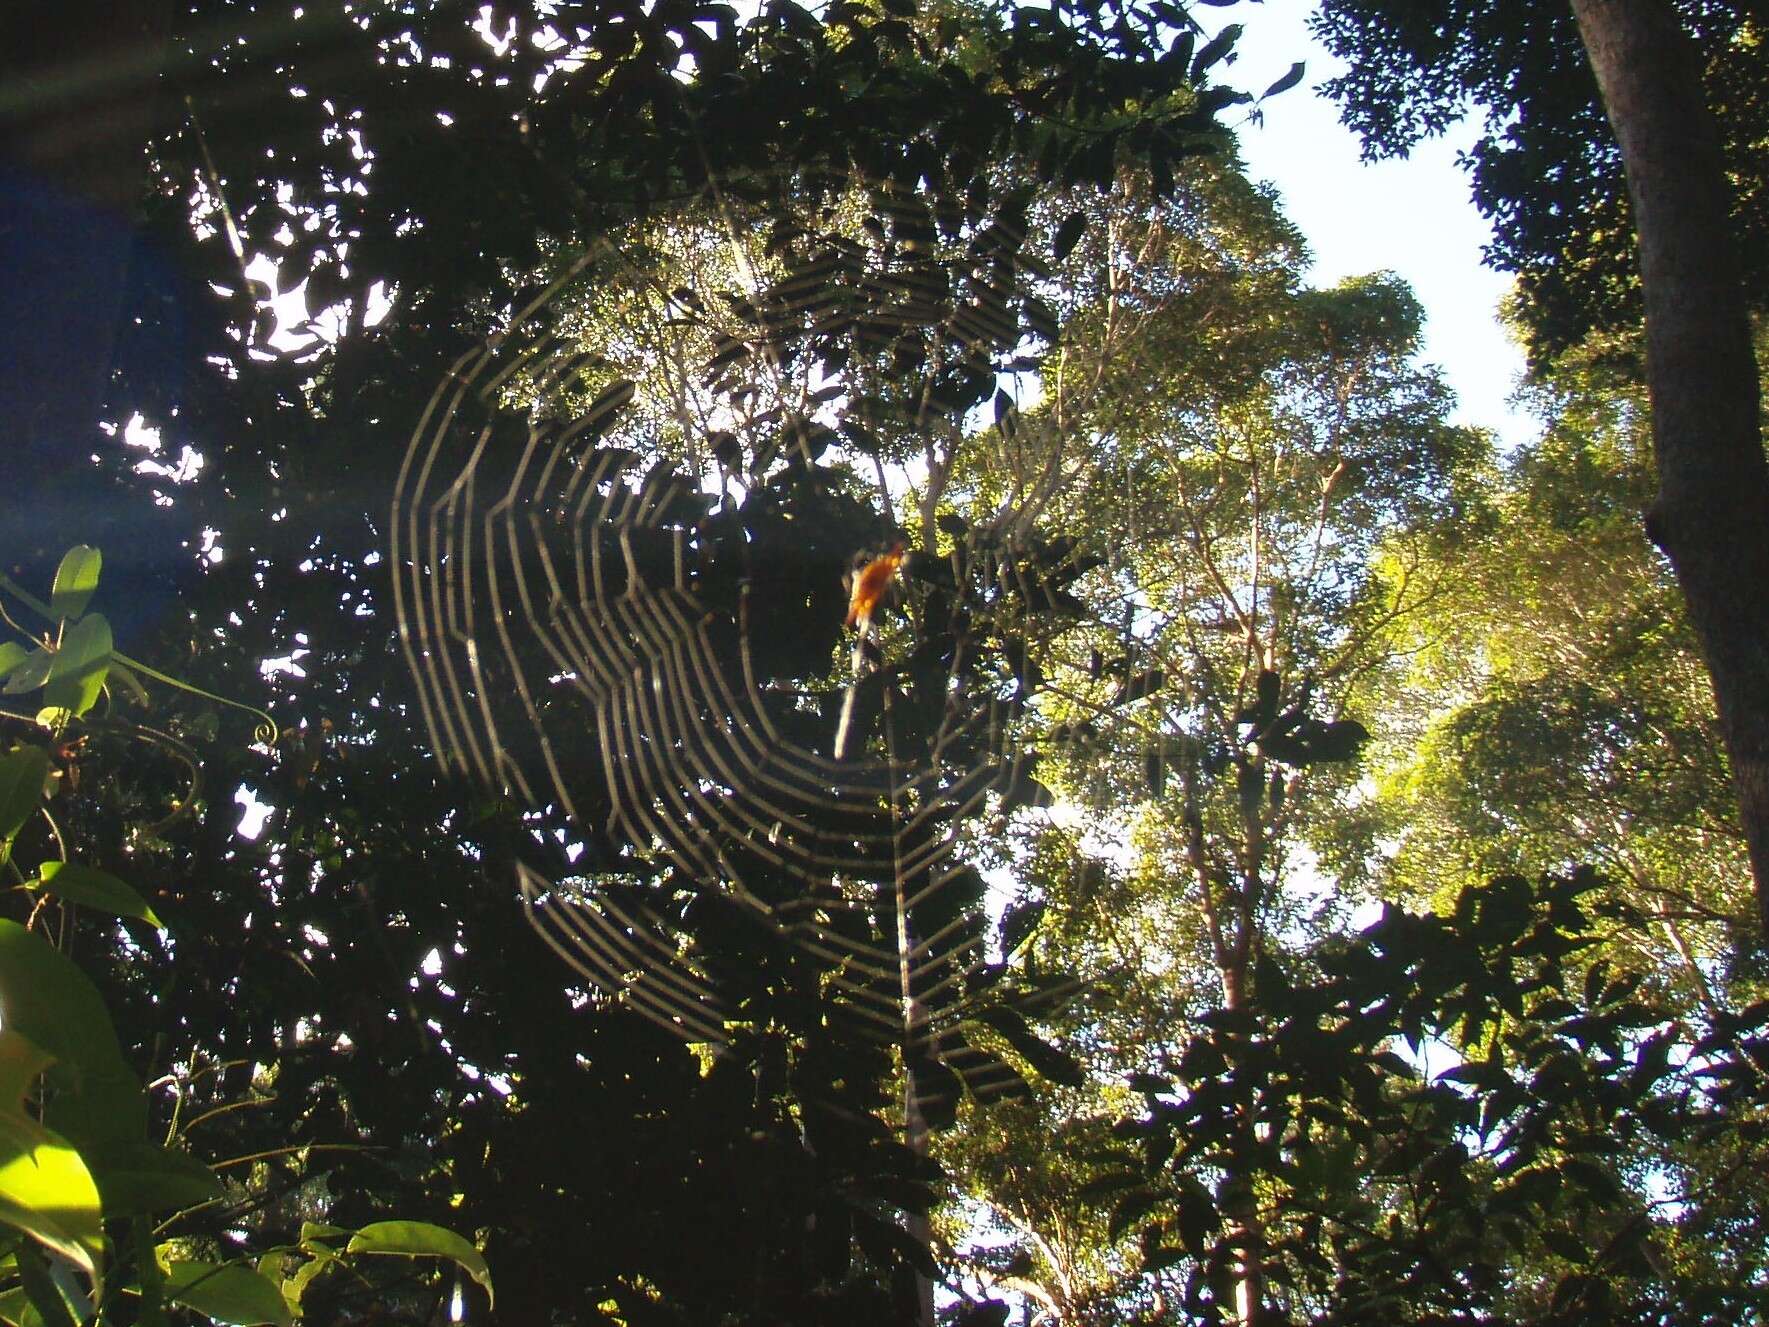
column 549, row 591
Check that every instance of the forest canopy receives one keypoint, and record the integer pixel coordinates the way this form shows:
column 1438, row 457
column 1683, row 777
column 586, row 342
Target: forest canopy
column 1255, row 852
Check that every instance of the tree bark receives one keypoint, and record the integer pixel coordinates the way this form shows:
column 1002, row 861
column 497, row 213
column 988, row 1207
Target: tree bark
column 1711, row 517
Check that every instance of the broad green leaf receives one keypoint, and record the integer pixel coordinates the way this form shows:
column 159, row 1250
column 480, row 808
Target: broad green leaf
column 314, row 1234
column 45, row 1189
column 421, row 1239
column 295, row 1285
column 139, row 1178
column 47, row 999
column 126, row 679
column 16, row 1309
column 1131, row 1208
column 22, row 775
column 52, row 1302
column 1017, row 925
column 1056, row 1065
column 92, row 888
column 96, row 1105
column 227, row 1293
column 22, row 1062
column 77, row 674
column 75, row 580
column 29, row 673
column 12, row 654
column 55, row 718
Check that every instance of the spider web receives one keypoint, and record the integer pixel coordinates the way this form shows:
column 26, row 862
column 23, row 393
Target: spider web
column 588, row 576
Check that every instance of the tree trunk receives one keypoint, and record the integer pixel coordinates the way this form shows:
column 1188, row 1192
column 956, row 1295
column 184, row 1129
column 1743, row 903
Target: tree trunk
column 1235, row 1195
column 1711, row 516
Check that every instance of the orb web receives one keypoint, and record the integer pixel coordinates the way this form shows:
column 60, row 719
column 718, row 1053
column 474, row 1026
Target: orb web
column 594, row 576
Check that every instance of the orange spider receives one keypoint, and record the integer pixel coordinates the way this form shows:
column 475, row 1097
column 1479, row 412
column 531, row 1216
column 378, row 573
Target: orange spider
column 870, row 583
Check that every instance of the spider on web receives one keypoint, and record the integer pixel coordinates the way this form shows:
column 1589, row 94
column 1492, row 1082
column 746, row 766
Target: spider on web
column 618, row 540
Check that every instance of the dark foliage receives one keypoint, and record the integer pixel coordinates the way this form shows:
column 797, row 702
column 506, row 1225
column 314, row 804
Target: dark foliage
column 605, row 1167
column 1546, row 169
column 1489, row 1191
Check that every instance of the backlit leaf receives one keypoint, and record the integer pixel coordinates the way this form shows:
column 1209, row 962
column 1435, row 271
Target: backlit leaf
column 92, row 888
column 227, row 1293
column 77, row 673
column 420, row 1239
column 45, row 1189
column 75, row 580
column 22, row 774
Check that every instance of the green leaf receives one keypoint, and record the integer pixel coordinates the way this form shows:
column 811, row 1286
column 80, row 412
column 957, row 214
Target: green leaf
column 12, row 654
column 45, row 1189
column 55, row 718
column 96, row 1106
column 47, row 999
column 92, row 888
column 1130, row 1209
column 938, row 1089
column 46, row 1294
column 29, row 673
column 420, row 1239
column 23, row 773
column 295, row 1285
column 47, row 1192
column 314, row 1233
column 139, row 1178
column 1593, row 1178
column 22, row 1061
column 75, row 580
column 1017, row 925
column 132, row 684
column 78, row 672
column 227, row 1293
column 16, row 1309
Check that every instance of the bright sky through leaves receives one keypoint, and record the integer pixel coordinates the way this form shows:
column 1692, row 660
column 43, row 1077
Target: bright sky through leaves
column 1410, row 216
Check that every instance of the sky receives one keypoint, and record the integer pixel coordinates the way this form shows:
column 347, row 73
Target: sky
column 1412, row 216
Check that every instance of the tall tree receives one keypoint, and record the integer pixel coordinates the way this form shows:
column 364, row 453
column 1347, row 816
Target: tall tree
column 1680, row 90
column 1701, row 371
column 1261, row 469
column 1556, row 709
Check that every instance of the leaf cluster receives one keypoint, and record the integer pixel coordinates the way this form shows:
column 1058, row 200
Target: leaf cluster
column 1545, row 168
column 1522, row 1183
